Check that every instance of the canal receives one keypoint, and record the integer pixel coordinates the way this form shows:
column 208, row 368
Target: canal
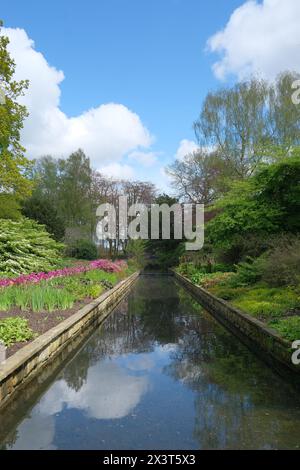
column 160, row 373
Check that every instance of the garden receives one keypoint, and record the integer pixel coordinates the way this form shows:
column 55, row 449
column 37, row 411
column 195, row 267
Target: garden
column 251, row 256
column 38, row 287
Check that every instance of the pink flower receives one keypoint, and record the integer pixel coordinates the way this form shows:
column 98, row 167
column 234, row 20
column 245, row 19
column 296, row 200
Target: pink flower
column 102, row 264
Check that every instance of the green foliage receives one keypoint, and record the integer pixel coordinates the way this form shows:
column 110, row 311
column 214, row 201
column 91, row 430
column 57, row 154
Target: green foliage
column 101, row 276
column 165, row 253
column 136, row 250
column 260, row 309
column 244, row 120
column 248, row 272
column 14, row 167
column 266, row 303
column 289, row 328
column 210, row 280
column 38, row 208
column 15, row 330
column 282, row 263
column 26, row 247
column 94, row 291
column 83, row 249
column 9, row 207
column 261, row 206
column 37, row 298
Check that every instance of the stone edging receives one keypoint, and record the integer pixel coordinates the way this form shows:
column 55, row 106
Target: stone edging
column 266, row 341
column 26, row 363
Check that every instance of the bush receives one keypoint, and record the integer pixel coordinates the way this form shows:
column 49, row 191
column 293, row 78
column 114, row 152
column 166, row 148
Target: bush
column 26, row 247
column 83, row 249
column 248, row 272
column 14, row 330
column 282, row 265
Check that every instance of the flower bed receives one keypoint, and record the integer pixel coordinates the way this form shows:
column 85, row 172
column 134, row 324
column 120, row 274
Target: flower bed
column 102, row 264
column 40, row 301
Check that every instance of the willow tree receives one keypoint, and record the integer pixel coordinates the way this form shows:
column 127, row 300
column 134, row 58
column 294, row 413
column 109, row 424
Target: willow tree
column 14, row 166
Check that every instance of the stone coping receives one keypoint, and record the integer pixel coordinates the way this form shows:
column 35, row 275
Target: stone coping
column 20, row 368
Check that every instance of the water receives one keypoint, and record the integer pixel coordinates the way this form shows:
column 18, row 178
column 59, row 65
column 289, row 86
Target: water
column 160, row 373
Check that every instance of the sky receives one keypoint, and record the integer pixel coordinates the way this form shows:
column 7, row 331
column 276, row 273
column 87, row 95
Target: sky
column 125, row 79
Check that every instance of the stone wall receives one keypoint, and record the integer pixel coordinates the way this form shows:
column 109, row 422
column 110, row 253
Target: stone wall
column 30, row 361
column 264, row 341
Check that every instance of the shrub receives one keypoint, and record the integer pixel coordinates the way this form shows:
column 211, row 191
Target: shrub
column 248, row 272
column 14, row 330
column 282, row 265
column 94, row 291
column 26, row 247
column 83, row 249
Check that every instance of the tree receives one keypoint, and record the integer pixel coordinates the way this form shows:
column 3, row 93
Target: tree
column 263, row 205
column 165, row 253
column 75, row 186
column 14, row 166
column 200, row 177
column 243, row 121
column 45, row 213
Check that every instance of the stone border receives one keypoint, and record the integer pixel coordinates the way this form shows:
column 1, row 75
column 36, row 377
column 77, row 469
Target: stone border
column 264, row 341
column 19, row 369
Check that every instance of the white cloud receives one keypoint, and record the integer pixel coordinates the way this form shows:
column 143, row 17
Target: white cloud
column 260, row 37
column 118, row 171
column 110, row 392
column 146, row 159
column 185, row 148
column 106, row 133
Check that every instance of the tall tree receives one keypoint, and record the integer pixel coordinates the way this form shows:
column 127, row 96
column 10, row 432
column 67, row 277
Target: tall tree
column 14, row 166
column 200, row 177
column 243, row 121
column 76, row 180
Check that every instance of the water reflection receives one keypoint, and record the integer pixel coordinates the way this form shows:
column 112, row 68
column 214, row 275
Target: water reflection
column 161, row 373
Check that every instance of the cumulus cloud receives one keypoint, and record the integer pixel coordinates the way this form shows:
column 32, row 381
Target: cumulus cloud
column 118, row 171
column 109, row 393
column 106, row 133
column 260, row 37
column 185, row 148
column 146, row 159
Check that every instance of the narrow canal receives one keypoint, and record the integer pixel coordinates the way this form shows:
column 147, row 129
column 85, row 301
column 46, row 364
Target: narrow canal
column 160, row 373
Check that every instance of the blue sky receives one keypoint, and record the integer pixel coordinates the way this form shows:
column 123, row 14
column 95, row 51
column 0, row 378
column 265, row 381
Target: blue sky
column 148, row 55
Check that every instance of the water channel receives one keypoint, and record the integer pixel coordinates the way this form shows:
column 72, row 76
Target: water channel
column 160, row 373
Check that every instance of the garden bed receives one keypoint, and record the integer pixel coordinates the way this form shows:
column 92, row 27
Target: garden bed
column 277, row 307
column 32, row 304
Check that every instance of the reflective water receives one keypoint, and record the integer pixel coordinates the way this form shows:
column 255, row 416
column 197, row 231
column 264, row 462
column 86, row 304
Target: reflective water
column 161, row 373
